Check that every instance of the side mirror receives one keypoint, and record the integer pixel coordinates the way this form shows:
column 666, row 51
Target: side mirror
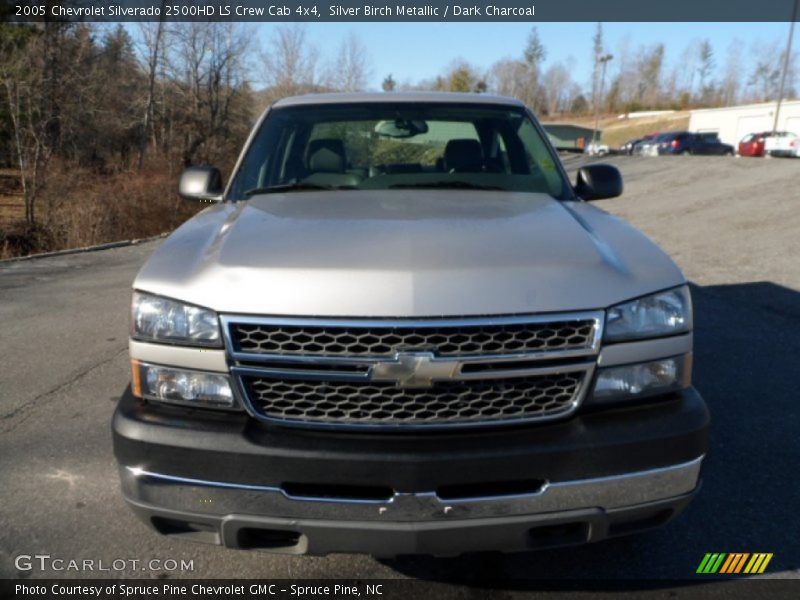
column 595, row 182
column 202, row 183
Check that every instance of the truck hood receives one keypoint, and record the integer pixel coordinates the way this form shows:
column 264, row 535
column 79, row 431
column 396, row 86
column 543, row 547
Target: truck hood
column 405, row 253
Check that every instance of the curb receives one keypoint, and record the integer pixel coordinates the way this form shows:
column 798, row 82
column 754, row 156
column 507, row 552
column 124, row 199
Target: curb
column 107, row 246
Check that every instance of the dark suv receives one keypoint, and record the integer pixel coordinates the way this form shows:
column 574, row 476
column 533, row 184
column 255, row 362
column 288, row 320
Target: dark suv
column 684, row 142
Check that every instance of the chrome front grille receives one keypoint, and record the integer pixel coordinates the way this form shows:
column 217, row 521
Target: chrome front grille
column 402, row 373
column 380, row 340
column 445, row 403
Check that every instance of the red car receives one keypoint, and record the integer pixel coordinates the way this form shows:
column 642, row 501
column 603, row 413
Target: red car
column 753, row 144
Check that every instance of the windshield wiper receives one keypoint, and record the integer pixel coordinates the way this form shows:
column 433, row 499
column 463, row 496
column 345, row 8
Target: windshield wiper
column 292, row 187
column 455, row 185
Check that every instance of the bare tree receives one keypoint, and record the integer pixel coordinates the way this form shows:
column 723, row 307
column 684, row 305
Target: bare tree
column 650, row 71
column 102, row 126
column 34, row 72
column 764, row 80
column 623, row 88
column 765, row 77
column 559, row 88
column 152, row 36
column 208, row 61
column 520, row 78
column 706, row 64
column 732, row 78
column 289, row 62
column 686, row 69
column 351, row 68
column 29, row 133
column 514, row 78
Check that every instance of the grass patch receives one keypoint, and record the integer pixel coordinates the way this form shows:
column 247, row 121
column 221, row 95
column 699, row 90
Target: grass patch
column 618, row 133
column 81, row 208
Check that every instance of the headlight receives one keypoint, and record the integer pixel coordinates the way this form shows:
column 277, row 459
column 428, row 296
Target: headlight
column 181, row 386
column 158, row 319
column 641, row 380
column 665, row 313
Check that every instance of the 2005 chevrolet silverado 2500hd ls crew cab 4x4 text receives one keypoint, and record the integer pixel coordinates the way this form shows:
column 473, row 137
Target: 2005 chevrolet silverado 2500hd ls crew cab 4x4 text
column 400, row 330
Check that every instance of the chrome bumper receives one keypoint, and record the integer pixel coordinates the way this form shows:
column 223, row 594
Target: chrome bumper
column 214, row 498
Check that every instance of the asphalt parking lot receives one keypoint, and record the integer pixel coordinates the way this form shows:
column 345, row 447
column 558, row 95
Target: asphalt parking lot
column 733, row 225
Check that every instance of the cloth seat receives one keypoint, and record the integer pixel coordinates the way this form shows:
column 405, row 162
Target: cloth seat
column 463, row 156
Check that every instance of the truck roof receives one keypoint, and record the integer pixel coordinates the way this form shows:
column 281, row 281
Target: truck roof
column 394, row 97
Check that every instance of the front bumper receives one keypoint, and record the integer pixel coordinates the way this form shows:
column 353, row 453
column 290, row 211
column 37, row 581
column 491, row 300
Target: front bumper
column 230, row 480
column 784, row 153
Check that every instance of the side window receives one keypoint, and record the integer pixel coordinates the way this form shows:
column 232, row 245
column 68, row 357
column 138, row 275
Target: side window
column 282, row 170
column 278, row 165
column 497, row 155
column 504, row 154
column 269, row 160
column 257, row 164
column 539, row 157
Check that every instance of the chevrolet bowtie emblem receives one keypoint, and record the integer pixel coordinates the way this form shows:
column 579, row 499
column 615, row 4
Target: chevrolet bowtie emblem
column 414, row 370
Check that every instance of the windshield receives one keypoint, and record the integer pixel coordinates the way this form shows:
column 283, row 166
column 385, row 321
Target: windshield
column 381, row 146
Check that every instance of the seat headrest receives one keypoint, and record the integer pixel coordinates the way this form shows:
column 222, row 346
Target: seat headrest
column 326, row 156
column 463, row 156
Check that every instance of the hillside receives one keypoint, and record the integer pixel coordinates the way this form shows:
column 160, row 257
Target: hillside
column 617, row 131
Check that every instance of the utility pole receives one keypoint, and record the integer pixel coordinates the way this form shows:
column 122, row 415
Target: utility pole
column 602, row 60
column 785, row 67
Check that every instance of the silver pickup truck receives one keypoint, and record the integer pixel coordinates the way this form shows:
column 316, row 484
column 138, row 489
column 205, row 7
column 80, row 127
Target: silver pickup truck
column 400, row 329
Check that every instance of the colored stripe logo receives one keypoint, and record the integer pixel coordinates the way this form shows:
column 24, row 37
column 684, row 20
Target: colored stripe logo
column 734, row 563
